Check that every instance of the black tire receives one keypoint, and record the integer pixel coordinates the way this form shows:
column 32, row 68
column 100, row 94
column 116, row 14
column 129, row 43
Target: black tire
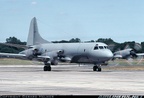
column 95, row 68
column 47, row 68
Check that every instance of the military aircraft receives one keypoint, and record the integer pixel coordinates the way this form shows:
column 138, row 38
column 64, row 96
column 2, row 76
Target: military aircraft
column 51, row 53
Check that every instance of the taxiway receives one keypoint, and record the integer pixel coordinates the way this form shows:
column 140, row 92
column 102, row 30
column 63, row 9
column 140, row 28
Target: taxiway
column 68, row 80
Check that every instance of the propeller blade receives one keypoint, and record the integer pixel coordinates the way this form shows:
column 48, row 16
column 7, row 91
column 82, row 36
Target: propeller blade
column 133, row 54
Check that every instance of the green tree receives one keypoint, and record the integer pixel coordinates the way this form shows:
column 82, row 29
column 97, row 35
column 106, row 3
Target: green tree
column 73, row 40
column 107, row 41
column 14, row 40
column 10, row 48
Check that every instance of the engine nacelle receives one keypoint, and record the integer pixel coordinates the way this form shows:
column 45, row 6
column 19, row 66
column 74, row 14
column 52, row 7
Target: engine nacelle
column 65, row 59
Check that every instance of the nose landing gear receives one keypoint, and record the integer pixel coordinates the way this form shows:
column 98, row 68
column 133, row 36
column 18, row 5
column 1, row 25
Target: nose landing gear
column 97, row 68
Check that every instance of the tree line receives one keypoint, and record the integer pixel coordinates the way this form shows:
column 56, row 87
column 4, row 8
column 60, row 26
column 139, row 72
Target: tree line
column 114, row 46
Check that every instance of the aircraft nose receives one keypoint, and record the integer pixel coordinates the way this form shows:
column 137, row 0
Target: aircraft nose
column 103, row 54
column 109, row 55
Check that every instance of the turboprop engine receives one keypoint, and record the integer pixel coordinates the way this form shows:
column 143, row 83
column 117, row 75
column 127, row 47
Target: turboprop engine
column 32, row 52
column 54, row 55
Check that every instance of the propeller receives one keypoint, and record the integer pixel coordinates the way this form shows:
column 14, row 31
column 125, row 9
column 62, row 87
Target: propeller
column 127, row 55
column 33, row 52
column 36, row 52
column 133, row 54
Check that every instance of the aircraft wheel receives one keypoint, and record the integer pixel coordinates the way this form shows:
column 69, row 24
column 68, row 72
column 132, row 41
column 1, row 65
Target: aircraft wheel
column 47, row 68
column 96, row 68
column 99, row 69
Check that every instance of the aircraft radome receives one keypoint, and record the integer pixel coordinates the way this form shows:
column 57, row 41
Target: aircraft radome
column 51, row 53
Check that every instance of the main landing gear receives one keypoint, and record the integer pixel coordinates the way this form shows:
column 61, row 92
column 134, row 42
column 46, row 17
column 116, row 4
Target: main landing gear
column 48, row 64
column 97, row 68
column 47, row 67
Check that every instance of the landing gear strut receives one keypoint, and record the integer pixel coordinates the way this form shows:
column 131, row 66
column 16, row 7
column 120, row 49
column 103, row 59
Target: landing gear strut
column 97, row 68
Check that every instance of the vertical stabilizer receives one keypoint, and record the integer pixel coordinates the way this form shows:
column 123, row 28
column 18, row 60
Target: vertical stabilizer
column 34, row 37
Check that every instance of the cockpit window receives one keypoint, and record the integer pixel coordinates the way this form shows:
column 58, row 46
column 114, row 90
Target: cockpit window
column 96, row 48
column 101, row 47
column 106, row 47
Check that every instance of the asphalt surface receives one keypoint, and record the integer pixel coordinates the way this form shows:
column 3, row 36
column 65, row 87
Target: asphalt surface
column 68, row 80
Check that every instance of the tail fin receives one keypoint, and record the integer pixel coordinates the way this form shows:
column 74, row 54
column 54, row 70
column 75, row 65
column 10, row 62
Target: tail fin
column 34, row 37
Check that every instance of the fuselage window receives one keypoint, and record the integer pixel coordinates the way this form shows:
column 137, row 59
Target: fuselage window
column 101, row 47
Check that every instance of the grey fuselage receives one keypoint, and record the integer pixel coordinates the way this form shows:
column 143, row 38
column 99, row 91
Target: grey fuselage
column 77, row 52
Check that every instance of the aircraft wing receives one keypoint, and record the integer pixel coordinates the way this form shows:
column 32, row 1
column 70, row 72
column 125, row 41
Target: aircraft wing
column 117, row 56
column 140, row 54
column 44, row 57
column 12, row 55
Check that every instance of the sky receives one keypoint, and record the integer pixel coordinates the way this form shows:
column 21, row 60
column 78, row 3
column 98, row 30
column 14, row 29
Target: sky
column 120, row 20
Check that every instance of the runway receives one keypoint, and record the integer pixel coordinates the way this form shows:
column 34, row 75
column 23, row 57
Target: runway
column 68, row 80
